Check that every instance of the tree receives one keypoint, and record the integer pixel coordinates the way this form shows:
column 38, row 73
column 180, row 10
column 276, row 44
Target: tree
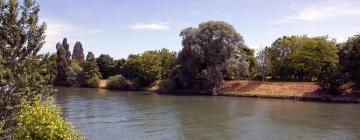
column 263, row 63
column 66, row 47
column 331, row 79
column 68, row 71
column 350, row 60
column 21, row 68
column 300, row 57
column 169, row 63
column 236, row 68
column 143, row 68
column 63, row 64
column 91, row 74
column 78, row 52
column 50, row 66
column 249, row 57
column 205, row 51
column 106, row 64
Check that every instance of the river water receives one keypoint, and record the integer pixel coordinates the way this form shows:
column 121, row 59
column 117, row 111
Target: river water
column 101, row 114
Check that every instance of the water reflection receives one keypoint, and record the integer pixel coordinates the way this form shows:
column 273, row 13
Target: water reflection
column 104, row 114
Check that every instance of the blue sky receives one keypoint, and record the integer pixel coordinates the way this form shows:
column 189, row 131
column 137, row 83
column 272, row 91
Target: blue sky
column 123, row 27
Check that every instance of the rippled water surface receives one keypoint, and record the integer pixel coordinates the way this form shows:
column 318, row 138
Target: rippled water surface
column 110, row 115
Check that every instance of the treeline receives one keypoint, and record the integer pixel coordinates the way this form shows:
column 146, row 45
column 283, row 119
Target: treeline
column 214, row 52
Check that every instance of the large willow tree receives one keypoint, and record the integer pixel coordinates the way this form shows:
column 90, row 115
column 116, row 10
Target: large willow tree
column 206, row 50
column 22, row 71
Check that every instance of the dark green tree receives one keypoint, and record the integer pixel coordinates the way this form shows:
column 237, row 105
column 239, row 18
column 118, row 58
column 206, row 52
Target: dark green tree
column 63, row 65
column 91, row 74
column 205, row 51
column 350, row 60
column 78, row 52
column 21, row 68
column 66, row 47
column 106, row 64
column 249, row 57
column 331, row 79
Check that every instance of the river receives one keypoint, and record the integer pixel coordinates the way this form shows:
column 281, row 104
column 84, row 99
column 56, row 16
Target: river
column 101, row 114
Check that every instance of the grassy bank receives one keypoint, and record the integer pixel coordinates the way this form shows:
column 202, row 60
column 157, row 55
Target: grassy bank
column 306, row 91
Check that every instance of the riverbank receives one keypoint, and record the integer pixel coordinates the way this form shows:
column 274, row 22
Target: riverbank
column 304, row 91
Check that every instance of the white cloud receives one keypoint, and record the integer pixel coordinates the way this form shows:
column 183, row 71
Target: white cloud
column 323, row 11
column 57, row 30
column 151, row 26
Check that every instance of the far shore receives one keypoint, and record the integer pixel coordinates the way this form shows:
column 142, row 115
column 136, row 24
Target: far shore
column 303, row 91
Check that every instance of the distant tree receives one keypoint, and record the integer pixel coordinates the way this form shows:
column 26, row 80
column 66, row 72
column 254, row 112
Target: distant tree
column 300, row 57
column 350, row 60
column 68, row 71
column 50, row 66
column 145, row 67
column 249, row 57
column 63, row 64
column 236, row 68
column 263, row 63
column 106, row 64
column 119, row 66
column 78, row 52
column 205, row 51
column 168, row 64
column 150, row 66
column 331, row 79
column 21, row 68
column 91, row 74
column 66, row 47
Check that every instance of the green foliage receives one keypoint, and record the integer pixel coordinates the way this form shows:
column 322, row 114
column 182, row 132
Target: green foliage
column 117, row 82
column 350, row 60
column 69, row 71
column 205, row 51
column 91, row 75
column 331, row 79
column 49, row 68
column 78, row 52
column 22, row 70
column 263, row 67
column 300, row 57
column 42, row 121
column 249, row 57
column 150, row 66
column 106, row 64
column 236, row 68
column 63, row 61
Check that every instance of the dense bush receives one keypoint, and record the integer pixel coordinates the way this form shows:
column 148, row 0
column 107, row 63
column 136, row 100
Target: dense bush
column 350, row 60
column 42, row 121
column 331, row 79
column 117, row 82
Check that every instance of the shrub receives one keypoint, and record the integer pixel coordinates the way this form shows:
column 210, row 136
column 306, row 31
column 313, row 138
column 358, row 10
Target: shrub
column 42, row 121
column 331, row 79
column 167, row 85
column 117, row 82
